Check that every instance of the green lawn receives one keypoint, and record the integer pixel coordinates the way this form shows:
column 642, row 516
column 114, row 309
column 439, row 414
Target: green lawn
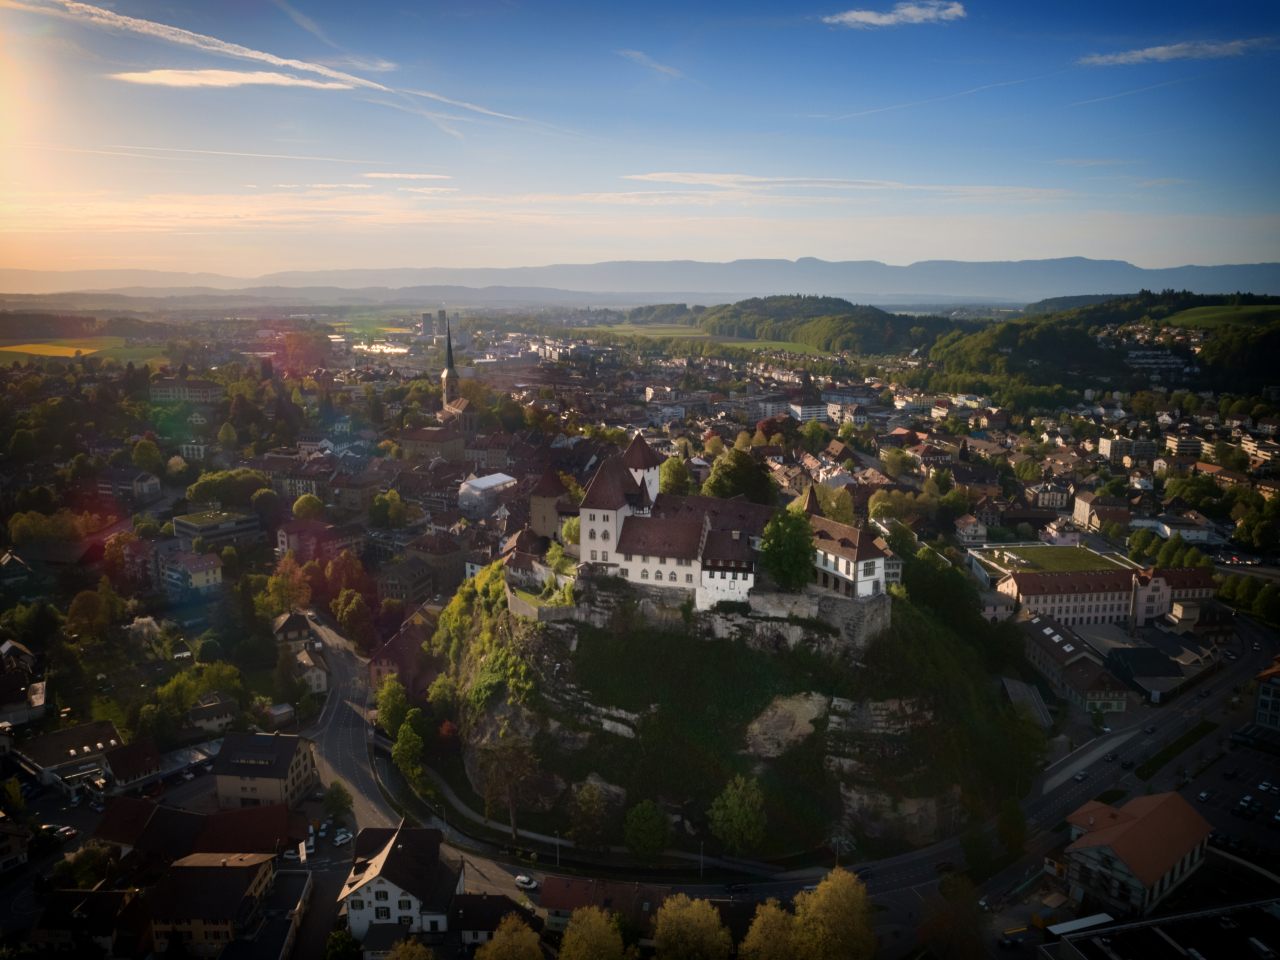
column 1063, row 559
column 102, row 347
column 1199, row 317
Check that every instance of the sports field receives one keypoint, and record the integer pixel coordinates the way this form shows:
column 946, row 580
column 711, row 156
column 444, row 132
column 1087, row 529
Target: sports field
column 102, row 347
column 656, row 330
column 1050, row 559
column 1217, row 316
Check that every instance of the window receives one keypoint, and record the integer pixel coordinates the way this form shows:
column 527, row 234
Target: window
column 644, row 559
column 593, row 554
column 357, row 904
column 662, row 561
column 406, row 904
column 688, row 578
column 592, row 518
column 406, row 921
column 869, row 568
column 604, row 517
column 722, row 574
column 382, row 913
column 672, row 577
column 625, row 572
column 591, row 535
column 644, row 574
column 381, row 895
column 628, row 557
column 604, row 535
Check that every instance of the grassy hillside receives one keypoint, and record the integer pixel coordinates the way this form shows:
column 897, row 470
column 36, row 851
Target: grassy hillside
column 1201, row 317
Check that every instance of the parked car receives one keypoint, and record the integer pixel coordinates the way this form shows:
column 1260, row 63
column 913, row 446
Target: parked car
column 97, row 806
column 1204, row 796
column 1111, row 757
column 735, row 888
column 188, row 775
column 1264, row 786
column 341, row 837
column 944, row 866
column 526, row 883
column 311, row 845
column 1081, row 776
column 77, row 800
column 292, row 854
column 1255, row 808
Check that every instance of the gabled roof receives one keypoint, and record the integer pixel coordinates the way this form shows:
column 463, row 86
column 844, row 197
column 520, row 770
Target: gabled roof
column 479, row 911
column 612, row 487
column 1148, row 834
column 649, row 536
column 412, row 858
column 253, row 829
column 811, row 504
column 257, row 754
column 641, row 456
column 124, row 821
column 133, row 760
column 844, row 540
column 549, row 485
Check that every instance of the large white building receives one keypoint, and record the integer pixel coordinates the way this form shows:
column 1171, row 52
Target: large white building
column 404, row 877
column 702, row 545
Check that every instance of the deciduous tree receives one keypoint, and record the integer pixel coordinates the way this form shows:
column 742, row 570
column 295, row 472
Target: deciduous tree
column 513, row 940
column 673, row 477
column 786, row 549
column 591, row 936
column 288, row 589
column 687, row 929
column 393, row 705
column 647, row 830
column 146, row 456
column 772, row 934
column 737, row 816
column 588, row 817
column 337, row 800
column 833, row 922
column 308, row 507
column 738, row 473
column 511, row 770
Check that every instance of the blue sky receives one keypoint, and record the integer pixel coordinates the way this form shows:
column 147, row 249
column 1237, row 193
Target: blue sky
column 247, row 136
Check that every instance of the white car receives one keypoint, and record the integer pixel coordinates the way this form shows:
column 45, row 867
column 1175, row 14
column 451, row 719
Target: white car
column 1079, row 777
column 311, row 845
column 341, row 838
column 1204, row 796
column 292, row 854
column 188, row 775
column 526, row 883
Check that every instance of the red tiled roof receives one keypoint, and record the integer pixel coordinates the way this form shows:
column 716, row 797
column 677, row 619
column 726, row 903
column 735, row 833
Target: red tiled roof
column 1149, row 834
column 132, row 760
column 641, row 456
column 124, row 820
column 649, row 536
column 611, row 487
column 549, row 485
column 251, row 830
column 844, row 540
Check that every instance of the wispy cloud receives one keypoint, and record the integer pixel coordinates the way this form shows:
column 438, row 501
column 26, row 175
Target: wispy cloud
column 408, row 176
column 1070, row 162
column 741, row 183
column 637, row 56
column 340, row 186
column 949, row 96
column 927, row 11
column 430, row 191
column 1198, row 50
column 96, row 16
column 463, row 104
column 1127, row 93
column 234, row 153
column 305, row 22
column 226, row 78
column 1163, row 182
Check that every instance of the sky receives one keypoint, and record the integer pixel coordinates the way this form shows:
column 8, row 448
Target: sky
column 251, row 136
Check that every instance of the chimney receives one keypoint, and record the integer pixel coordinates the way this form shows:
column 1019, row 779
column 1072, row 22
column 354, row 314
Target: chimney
column 224, row 861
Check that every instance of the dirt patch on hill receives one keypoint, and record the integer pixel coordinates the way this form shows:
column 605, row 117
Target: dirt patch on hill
column 784, row 723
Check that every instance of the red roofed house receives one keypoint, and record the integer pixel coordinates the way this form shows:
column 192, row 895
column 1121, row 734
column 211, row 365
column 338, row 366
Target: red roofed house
column 1107, row 596
column 1128, row 860
column 971, row 531
column 638, row 902
column 403, row 656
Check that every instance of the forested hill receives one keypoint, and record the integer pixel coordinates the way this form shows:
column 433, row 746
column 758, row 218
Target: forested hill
column 825, row 323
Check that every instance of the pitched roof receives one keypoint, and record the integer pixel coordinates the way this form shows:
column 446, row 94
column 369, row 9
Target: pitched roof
column 124, row 821
column 478, row 911
column 549, row 485
column 844, row 540
column 209, row 886
column 412, row 858
column 257, row 754
column 612, row 487
column 251, row 829
column 641, row 456
column 131, row 760
column 811, row 504
column 1149, row 834
column 649, row 536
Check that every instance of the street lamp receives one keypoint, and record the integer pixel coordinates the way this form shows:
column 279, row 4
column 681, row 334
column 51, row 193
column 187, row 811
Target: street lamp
column 557, row 849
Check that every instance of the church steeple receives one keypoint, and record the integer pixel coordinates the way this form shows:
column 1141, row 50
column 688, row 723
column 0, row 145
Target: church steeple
column 449, row 379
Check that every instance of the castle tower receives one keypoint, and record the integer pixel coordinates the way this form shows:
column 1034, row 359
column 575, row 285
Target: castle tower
column 449, row 379
column 644, row 464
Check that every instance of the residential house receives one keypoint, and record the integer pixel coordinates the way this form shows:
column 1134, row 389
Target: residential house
column 444, row 556
column 411, row 581
column 476, row 916
column 1061, row 533
column 432, row 443
column 1128, row 860
column 213, row 711
column 636, row 902
column 1072, row 666
column 970, row 531
column 310, row 668
column 293, row 629
column 100, row 923
column 14, row 838
column 172, row 389
column 128, row 484
column 188, row 575
column 264, row 769
column 403, row 656
column 130, row 763
column 403, row 876
column 206, row 900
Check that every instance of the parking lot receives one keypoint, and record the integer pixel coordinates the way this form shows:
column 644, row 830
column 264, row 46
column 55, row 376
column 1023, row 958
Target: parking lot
column 1256, row 829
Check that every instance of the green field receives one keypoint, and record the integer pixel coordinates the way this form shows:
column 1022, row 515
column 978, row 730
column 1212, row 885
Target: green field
column 1062, row 559
column 1217, row 316
column 694, row 333
column 65, row 348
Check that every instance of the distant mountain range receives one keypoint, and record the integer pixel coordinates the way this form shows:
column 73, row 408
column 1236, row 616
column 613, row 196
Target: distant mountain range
column 631, row 281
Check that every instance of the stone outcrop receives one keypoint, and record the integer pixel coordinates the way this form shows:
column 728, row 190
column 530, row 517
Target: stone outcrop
column 916, row 820
column 784, row 723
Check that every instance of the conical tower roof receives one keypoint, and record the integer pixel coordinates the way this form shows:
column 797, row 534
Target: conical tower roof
column 811, row 504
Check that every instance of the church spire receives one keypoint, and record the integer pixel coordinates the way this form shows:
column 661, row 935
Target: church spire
column 449, row 378
column 448, row 347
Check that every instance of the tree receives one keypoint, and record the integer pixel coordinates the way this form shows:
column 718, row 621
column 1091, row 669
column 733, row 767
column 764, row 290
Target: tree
column 897, row 462
column 687, row 929
column 407, row 752
column 673, row 477
column 286, row 684
column 87, row 615
column 737, row 815
column 230, row 563
column 393, row 705
column 956, row 927
column 591, row 936
column 772, row 935
column 572, row 530
column 337, row 800
column 227, row 436
column 308, row 507
column 341, row 945
column 942, row 477
column 814, row 436
column 588, row 817
column 833, row 922
column 786, row 549
column 411, row 950
column 511, row 770
column 976, row 846
column 288, row 589
column 346, row 572
column 266, row 504
column 738, row 473
column 647, row 831
column 146, row 456
column 1011, row 825
column 443, row 694
column 513, row 940
column 1249, row 590
column 353, row 615
column 23, row 447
